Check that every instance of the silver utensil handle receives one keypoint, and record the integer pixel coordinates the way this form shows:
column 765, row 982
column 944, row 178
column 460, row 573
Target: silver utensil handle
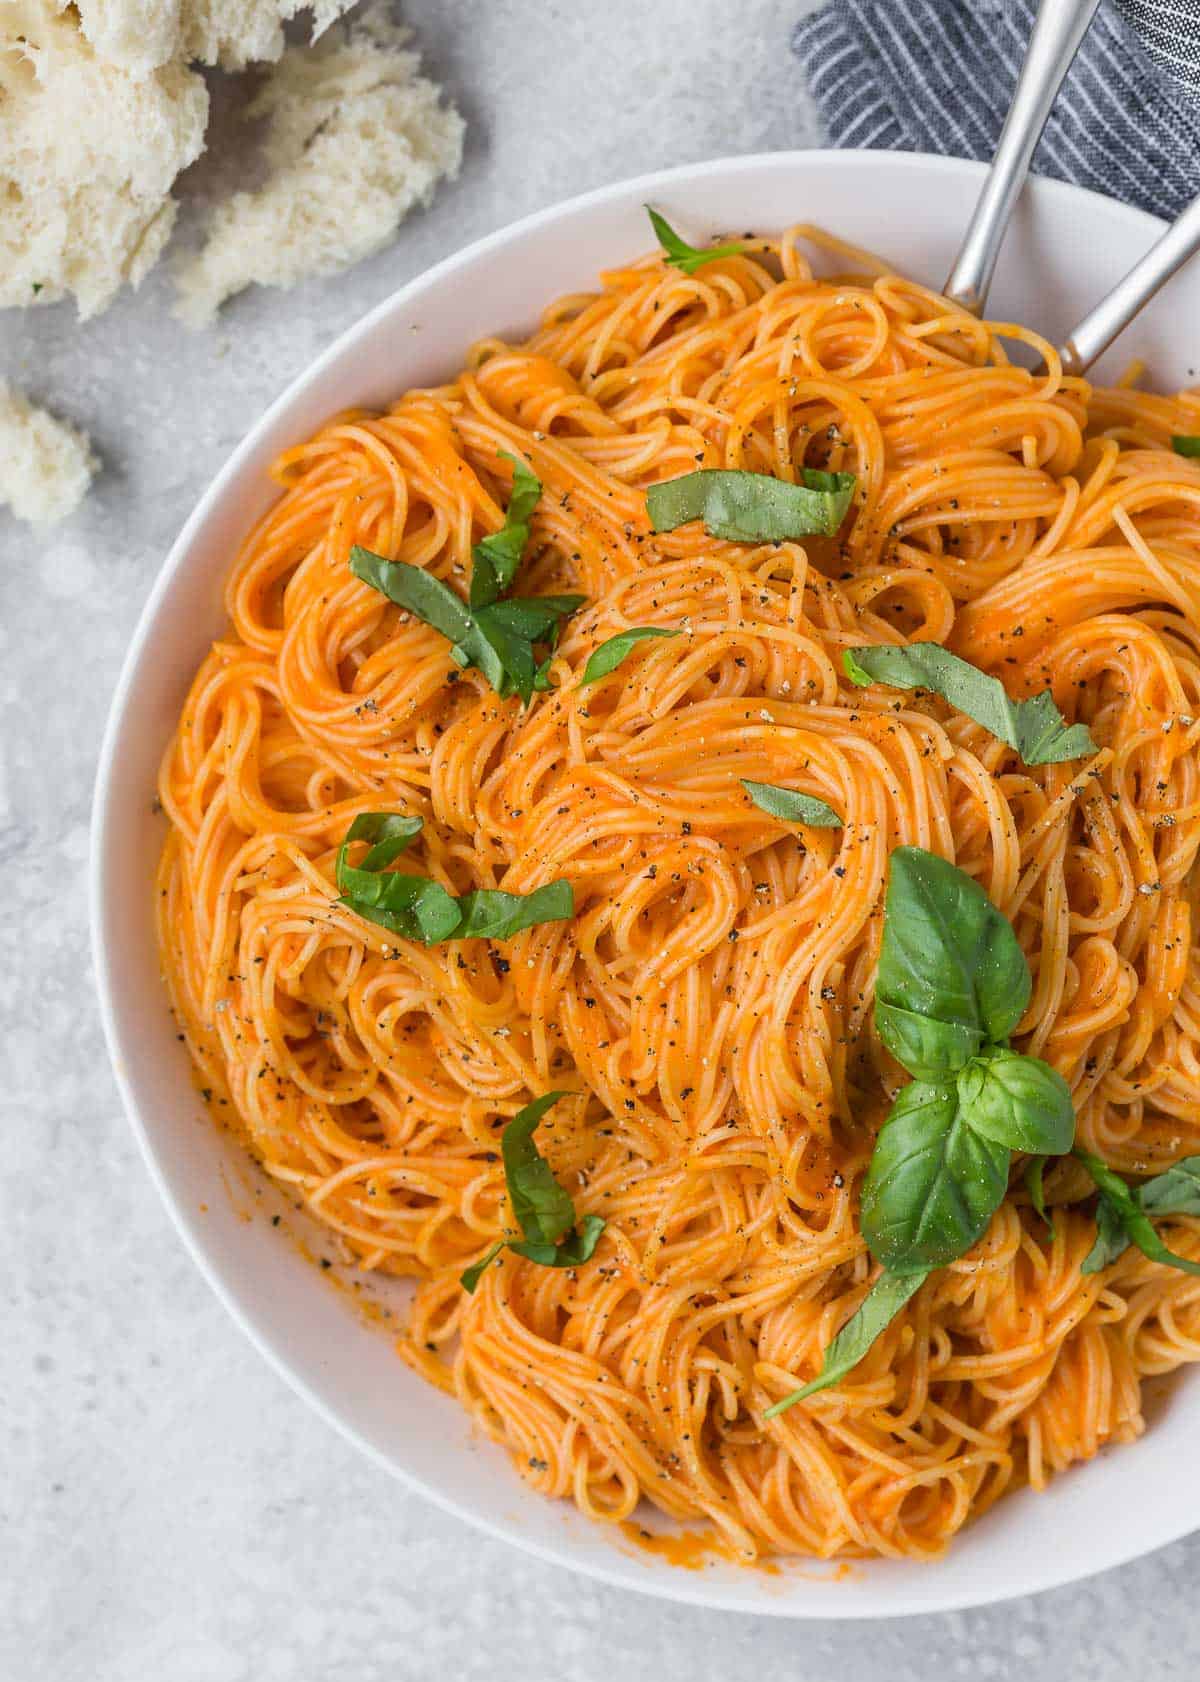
column 1058, row 29
column 1112, row 314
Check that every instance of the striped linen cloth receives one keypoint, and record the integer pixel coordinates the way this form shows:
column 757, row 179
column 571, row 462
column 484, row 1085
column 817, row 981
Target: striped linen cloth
column 936, row 76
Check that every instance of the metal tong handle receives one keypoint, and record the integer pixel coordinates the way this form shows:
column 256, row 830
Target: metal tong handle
column 1113, row 314
column 1058, row 29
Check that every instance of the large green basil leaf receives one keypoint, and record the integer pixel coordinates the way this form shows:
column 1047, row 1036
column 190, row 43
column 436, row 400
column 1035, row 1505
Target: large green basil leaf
column 933, row 1184
column 952, row 977
column 1018, row 1101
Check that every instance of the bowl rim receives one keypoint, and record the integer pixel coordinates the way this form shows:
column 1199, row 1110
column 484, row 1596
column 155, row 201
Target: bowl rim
column 680, row 1587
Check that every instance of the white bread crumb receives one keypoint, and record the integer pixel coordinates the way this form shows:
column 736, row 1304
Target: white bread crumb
column 88, row 155
column 141, row 35
column 45, row 465
column 355, row 139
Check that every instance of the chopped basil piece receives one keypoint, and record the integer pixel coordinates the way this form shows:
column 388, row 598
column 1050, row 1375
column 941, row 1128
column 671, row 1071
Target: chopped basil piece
column 495, row 558
column 934, row 1182
column 792, row 806
column 543, row 1210
column 495, row 634
column 609, row 655
column 419, row 908
column 752, row 507
column 1035, row 728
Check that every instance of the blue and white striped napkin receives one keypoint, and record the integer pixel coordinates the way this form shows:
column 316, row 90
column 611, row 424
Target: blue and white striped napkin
column 936, row 76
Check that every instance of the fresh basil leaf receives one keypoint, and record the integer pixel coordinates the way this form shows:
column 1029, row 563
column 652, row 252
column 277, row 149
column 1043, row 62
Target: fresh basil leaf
column 933, row 1184
column 413, row 589
column 497, row 638
column 1124, row 1207
column 421, row 909
column 391, row 833
column 684, row 256
column 544, row 1211
column 951, row 976
column 492, row 640
column 535, row 618
column 792, row 806
column 495, row 559
column 1112, row 1240
column 1035, row 1175
column 472, row 1275
column 1176, row 1191
column 877, row 1310
column 609, row 655
column 1185, row 444
column 411, row 906
column 576, row 1247
column 489, row 914
column 501, row 639
column 752, row 507
column 1035, row 728
column 1017, row 1101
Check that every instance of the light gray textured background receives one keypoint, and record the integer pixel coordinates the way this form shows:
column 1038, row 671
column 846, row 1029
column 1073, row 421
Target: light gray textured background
column 169, row 1512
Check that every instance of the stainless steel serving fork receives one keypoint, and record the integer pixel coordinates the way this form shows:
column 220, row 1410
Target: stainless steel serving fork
column 1058, row 30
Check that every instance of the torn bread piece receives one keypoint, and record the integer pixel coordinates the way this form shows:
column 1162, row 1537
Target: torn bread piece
column 141, row 35
column 45, row 464
column 88, row 154
column 356, row 138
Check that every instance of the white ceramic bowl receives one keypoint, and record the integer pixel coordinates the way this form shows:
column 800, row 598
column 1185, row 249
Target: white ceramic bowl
column 1065, row 248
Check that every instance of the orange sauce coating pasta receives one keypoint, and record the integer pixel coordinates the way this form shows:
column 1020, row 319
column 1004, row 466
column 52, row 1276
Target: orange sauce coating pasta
column 711, row 1002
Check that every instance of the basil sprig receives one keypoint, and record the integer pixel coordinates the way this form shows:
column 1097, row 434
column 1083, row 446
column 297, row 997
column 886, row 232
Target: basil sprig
column 752, row 507
column 1123, row 1212
column 951, row 985
column 544, row 1211
column 951, row 976
column 1035, row 727
column 1185, row 444
column 498, row 636
column 792, row 806
column 683, row 256
column 609, row 655
column 419, row 908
